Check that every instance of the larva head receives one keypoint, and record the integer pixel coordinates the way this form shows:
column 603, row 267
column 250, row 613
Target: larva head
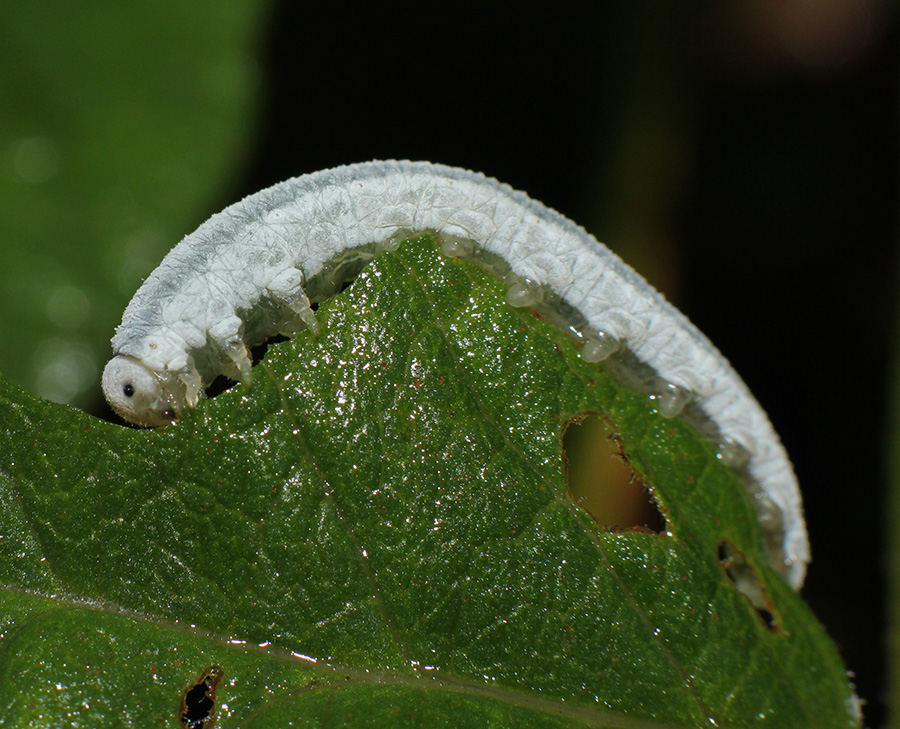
column 140, row 395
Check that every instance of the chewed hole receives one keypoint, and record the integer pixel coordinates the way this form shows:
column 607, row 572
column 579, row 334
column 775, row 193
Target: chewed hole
column 745, row 579
column 601, row 481
column 258, row 353
column 198, row 702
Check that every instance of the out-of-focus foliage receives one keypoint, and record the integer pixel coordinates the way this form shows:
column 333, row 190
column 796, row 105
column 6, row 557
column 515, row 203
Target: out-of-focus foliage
column 118, row 122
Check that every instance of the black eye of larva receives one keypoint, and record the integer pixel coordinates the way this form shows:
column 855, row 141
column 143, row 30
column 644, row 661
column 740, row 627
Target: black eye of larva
column 128, row 389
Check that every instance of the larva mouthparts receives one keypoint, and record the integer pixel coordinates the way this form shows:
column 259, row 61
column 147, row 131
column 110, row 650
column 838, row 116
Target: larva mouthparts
column 245, row 276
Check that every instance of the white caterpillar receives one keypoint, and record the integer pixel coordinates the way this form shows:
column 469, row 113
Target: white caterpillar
column 239, row 280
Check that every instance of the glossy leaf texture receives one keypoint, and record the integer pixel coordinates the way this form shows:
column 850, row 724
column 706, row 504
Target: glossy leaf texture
column 377, row 532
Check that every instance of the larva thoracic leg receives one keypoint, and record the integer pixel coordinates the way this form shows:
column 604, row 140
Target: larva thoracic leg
column 228, row 336
column 299, row 304
column 190, row 379
column 287, row 288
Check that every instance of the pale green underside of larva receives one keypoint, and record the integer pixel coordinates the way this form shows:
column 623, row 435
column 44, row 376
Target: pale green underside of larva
column 246, row 273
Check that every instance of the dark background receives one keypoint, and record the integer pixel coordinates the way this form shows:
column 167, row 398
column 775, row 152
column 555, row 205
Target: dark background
column 741, row 155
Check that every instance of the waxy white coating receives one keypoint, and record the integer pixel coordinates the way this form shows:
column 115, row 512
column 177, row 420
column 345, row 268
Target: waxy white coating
column 189, row 321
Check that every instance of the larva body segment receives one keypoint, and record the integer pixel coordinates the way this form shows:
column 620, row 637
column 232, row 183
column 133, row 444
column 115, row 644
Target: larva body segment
column 239, row 280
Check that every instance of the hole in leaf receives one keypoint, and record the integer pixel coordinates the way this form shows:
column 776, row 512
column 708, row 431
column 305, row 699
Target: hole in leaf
column 601, row 481
column 199, row 700
column 219, row 385
column 258, row 352
column 745, row 579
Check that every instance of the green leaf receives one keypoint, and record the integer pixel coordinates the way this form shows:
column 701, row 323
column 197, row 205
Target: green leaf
column 377, row 531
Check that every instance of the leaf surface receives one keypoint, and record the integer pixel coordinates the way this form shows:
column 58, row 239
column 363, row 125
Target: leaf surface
column 377, row 531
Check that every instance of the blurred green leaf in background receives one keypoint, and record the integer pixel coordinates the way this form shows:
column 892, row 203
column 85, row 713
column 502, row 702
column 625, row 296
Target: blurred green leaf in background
column 118, row 123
